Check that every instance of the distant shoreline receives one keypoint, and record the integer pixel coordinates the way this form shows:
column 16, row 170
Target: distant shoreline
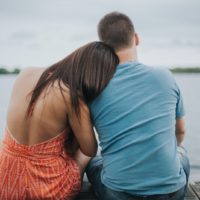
column 185, row 70
column 175, row 70
column 6, row 71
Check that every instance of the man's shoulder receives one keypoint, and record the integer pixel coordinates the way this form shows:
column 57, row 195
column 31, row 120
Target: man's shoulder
column 153, row 69
column 148, row 72
column 160, row 72
column 157, row 69
column 159, row 76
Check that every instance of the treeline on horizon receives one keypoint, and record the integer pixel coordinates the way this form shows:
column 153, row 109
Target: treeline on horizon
column 185, row 70
column 4, row 70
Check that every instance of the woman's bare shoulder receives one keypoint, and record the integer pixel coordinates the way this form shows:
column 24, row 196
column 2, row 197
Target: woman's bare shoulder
column 31, row 70
column 29, row 73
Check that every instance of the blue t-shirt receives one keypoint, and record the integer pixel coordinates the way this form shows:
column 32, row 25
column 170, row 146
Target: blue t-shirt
column 135, row 119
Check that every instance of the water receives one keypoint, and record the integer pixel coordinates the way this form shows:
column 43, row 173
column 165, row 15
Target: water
column 190, row 87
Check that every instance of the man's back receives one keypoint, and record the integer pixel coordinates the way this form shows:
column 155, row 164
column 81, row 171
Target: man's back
column 135, row 118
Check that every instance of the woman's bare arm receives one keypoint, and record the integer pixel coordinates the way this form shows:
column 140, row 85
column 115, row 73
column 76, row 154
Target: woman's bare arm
column 83, row 130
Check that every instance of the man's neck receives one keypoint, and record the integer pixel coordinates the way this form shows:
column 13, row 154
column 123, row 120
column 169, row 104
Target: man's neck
column 126, row 55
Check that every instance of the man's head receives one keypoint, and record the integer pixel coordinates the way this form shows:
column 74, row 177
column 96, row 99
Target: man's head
column 117, row 30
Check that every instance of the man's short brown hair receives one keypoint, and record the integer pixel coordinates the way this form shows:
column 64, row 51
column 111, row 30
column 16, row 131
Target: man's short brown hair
column 117, row 30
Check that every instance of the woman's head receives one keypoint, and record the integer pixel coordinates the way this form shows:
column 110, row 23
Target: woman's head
column 85, row 72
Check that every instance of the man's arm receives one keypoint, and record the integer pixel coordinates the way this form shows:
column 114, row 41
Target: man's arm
column 180, row 130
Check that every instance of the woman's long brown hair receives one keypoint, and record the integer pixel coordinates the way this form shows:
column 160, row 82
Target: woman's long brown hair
column 86, row 72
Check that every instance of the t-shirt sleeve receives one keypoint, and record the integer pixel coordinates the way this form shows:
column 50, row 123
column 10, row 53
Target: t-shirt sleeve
column 180, row 110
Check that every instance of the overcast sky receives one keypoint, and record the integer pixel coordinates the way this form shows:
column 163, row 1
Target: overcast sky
column 40, row 32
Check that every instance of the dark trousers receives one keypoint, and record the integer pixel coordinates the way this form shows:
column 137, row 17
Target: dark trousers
column 104, row 193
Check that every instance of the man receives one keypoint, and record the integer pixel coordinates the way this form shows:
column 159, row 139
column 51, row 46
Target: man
column 139, row 120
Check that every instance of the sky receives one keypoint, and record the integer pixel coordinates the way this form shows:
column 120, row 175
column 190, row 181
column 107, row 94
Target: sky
column 41, row 32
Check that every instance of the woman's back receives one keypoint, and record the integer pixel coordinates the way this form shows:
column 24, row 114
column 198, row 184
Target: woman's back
column 32, row 157
column 47, row 106
column 49, row 117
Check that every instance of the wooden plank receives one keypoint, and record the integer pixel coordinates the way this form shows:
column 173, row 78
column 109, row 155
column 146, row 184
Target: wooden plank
column 196, row 188
column 87, row 193
column 190, row 195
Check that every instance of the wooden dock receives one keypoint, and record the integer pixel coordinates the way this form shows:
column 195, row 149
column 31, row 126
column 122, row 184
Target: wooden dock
column 193, row 192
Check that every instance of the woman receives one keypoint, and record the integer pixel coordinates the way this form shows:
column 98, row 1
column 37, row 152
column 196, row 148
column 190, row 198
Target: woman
column 47, row 107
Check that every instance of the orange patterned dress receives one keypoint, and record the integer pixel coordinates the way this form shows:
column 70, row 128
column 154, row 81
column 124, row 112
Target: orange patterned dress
column 41, row 171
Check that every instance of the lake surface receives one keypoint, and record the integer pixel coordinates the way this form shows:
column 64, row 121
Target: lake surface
column 190, row 87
